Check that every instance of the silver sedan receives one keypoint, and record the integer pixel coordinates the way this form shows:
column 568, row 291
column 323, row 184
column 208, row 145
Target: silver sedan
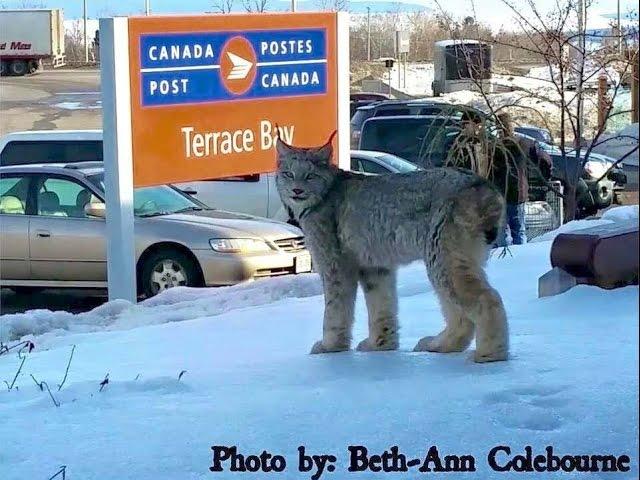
column 53, row 235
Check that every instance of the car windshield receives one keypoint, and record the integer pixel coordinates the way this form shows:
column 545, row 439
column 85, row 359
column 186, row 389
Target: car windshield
column 419, row 140
column 155, row 201
column 360, row 116
column 401, row 165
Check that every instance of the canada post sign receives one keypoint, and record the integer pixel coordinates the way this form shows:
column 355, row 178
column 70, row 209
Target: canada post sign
column 199, row 67
column 209, row 94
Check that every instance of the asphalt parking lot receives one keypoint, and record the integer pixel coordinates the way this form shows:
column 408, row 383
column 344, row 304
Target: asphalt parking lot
column 52, row 99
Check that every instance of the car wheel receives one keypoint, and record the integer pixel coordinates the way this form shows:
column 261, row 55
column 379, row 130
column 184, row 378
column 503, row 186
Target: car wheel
column 18, row 68
column 166, row 269
column 603, row 195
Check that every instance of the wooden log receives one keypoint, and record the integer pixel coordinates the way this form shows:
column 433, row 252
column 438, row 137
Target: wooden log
column 605, row 256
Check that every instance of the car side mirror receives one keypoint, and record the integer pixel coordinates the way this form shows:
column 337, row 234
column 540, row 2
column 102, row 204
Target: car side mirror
column 97, row 210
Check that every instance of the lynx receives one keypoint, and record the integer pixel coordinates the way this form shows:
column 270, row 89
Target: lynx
column 361, row 228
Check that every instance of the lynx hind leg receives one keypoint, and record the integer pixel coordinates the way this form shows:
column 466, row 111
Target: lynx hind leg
column 463, row 249
column 340, row 289
column 457, row 334
column 455, row 265
column 469, row 289
column 379, row 286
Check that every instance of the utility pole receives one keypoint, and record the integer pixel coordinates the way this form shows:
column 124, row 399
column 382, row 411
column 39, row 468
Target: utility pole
column 580, row 71
column 368, row 34
column 147, row 7
column 635, row 110
column 619, row 31
column 294, row 5
column 86, row 43
column 603, row 103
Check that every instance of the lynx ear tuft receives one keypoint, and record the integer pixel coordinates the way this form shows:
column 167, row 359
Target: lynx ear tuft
column 281, row 147
column 325, row 152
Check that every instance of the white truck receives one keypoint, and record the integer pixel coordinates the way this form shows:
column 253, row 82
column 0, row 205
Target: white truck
column 30, row 37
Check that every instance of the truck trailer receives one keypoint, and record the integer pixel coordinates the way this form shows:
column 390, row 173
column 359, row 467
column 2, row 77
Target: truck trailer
column 29, row 38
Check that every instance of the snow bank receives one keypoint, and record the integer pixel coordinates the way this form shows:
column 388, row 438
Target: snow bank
column 618, row 144
column 416, row 80
column 617, row 214
column 621, row 214
column 174, row 305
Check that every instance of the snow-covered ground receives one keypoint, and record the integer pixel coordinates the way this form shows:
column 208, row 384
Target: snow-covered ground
column 620, row 143
column 571, row 382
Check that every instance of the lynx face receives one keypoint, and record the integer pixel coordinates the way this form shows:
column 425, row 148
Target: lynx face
column 304, row 175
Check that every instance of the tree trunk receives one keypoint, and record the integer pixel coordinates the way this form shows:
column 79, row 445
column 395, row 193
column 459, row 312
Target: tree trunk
column 569, row 202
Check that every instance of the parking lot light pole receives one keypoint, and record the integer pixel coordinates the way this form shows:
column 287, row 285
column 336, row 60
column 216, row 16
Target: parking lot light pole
column 86, row 43
column 147, row 7
column 368, row 34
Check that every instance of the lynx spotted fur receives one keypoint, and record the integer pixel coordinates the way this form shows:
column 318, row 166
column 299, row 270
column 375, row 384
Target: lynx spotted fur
column 360, row 228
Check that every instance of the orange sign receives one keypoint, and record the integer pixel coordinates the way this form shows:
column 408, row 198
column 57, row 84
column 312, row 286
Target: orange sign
column 208, row 91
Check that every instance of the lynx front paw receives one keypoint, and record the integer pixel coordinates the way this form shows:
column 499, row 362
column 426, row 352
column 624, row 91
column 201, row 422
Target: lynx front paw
column 367, row 346
column 320, row 347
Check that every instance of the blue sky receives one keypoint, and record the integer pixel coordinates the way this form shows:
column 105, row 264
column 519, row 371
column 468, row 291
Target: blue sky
column 493, row 12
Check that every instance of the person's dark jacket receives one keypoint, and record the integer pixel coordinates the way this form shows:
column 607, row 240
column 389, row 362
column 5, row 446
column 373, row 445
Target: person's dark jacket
column 509, row 170
column 540, row 162
column 516, row 159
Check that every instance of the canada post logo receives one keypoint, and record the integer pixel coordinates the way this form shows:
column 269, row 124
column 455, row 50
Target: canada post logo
column 184, row 68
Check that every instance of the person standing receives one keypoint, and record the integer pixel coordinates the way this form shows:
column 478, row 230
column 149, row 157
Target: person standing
column 510, row 175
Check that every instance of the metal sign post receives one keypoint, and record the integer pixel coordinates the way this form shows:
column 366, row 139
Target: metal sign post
column 389, row 64
column 402, row 44
column 200, row 97
column 118, row 171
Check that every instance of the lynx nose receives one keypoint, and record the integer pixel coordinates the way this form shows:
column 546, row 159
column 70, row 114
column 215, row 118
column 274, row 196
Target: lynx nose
column 298, row 191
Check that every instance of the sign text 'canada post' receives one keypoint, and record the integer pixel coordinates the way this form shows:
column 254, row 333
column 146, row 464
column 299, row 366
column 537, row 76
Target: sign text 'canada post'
column 185, row 68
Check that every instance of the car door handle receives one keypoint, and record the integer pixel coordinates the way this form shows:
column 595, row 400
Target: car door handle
column 43, row 233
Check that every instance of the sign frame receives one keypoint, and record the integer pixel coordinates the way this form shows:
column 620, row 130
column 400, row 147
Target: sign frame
column 402, row 42
column 118, row 141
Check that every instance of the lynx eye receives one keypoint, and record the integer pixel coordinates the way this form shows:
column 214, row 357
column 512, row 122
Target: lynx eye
column 310, row 176
column 288, row 175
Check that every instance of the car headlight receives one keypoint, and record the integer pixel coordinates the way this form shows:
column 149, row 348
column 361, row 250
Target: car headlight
column 239, row 245
column 595, row 169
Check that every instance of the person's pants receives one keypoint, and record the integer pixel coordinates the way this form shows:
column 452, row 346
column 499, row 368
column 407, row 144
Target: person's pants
column 515, row 225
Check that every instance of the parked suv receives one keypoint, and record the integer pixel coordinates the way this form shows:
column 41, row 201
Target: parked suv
column 537, row 133
column 360, row 99
column 420, row 139
column 425, row 139
column 53, row 234
column 394, row 108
